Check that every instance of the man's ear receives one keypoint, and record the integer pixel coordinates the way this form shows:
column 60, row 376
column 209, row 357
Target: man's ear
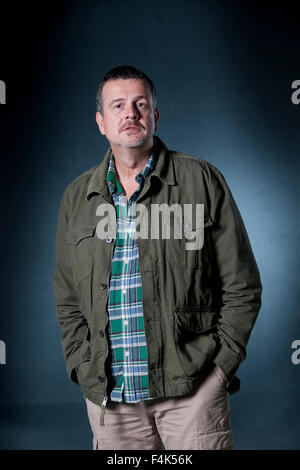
column 99, row 120
column 156, row 117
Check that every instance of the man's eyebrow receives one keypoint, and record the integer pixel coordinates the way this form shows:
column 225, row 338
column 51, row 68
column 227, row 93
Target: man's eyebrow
column 122, row 99
column 115, row 101
column 141, row 96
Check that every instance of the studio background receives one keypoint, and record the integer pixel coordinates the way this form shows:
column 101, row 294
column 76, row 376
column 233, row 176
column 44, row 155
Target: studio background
column 223, row 72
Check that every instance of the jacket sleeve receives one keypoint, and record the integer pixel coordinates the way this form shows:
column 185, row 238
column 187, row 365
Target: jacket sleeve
column 73, row 324
column 237, row 276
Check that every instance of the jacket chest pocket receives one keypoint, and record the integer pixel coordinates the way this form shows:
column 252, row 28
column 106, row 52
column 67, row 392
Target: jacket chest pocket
column 187, row 251
column 81, row 242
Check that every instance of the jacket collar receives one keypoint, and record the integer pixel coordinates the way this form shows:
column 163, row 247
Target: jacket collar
column 164, row 170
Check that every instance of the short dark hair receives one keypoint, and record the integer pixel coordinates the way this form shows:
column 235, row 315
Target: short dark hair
column 124, row 72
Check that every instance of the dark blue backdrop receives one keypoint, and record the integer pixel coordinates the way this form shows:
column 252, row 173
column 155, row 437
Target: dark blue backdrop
column 223, row 72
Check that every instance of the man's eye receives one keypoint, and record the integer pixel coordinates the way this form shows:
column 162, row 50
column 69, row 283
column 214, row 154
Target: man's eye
column 142, row 105
column 118, row 105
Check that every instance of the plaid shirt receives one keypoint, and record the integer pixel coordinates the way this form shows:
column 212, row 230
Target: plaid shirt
column 126, row 333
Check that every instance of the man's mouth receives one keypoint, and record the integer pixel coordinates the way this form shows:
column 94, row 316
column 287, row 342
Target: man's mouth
column 129, row 128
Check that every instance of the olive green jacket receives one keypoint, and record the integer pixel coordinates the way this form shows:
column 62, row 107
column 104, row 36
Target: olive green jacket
column 199, row 305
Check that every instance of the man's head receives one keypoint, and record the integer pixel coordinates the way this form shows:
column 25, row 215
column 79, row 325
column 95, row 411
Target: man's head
column 126, row 107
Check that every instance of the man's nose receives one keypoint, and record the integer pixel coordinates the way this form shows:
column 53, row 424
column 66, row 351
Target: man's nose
column 132, row 112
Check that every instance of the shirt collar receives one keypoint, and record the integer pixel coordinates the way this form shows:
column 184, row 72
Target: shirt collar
column 164, row 170
column 113, row 181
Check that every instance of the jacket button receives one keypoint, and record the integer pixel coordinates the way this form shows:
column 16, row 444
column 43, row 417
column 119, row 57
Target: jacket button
column 108, row 240
column 102, row 286
column 101, row 333
column 101, row 379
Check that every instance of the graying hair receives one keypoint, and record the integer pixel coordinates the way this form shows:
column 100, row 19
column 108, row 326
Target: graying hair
column 124, row 72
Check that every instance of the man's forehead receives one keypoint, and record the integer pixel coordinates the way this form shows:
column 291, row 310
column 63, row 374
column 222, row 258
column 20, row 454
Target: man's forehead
column 124, row 87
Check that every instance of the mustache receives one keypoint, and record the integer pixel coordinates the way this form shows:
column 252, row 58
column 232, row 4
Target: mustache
column 130, row 124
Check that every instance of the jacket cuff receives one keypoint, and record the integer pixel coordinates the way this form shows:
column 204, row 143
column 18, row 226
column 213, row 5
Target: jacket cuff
column 229, row 362
column 83, row 353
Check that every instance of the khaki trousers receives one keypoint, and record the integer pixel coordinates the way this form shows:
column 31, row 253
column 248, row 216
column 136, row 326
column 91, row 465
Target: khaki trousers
column 198, row 421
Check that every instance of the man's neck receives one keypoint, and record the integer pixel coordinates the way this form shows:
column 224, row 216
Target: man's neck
column 130, row 161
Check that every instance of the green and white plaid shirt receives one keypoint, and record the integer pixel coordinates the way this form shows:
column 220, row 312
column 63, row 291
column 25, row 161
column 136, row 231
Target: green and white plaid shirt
column 127, row 340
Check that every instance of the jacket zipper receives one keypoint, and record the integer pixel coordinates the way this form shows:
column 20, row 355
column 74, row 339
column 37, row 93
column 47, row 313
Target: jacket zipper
column 103, row 405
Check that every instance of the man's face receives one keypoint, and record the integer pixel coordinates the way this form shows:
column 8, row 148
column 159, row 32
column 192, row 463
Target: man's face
column 129, row 119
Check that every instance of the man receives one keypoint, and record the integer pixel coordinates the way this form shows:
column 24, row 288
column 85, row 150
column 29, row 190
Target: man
column 153, row 330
